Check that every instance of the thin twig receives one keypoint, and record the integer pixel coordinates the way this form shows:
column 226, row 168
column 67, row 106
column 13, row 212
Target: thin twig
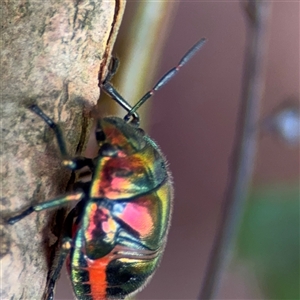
column 243, row 154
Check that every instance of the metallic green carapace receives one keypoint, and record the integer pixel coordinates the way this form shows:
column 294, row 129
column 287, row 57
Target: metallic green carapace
column 114, row 238
column 121, row 234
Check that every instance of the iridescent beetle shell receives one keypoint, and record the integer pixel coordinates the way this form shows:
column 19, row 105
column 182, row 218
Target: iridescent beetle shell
column 121, row 234
column 114, row 238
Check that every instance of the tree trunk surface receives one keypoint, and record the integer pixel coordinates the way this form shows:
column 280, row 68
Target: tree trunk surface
column 52, row 53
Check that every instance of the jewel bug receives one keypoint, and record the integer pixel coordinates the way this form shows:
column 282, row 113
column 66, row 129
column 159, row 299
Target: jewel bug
column 113, row 239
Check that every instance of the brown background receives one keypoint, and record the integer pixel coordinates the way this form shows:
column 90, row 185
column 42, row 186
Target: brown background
column 193, row 120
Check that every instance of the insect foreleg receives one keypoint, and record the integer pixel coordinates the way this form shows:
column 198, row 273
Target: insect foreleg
column 54, row 126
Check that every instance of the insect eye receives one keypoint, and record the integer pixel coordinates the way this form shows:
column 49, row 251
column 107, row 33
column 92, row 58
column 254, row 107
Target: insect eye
column 100, row 135
column 141, row 131
column 108, row 150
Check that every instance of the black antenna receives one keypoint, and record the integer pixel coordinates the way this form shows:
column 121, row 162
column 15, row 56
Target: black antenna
column 165, row 79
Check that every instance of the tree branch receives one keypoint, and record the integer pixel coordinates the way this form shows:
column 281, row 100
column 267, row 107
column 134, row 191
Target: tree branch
column 51, row 54
column 243, row 155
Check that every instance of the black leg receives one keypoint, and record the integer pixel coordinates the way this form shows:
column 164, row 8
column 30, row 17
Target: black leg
column 76, row 196
column 78, row 163
column 73, row 164
column 65, row 249
column 112, row 70
column 56, row 129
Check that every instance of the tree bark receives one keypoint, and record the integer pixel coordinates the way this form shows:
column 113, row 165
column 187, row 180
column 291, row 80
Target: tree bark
column 51, row 54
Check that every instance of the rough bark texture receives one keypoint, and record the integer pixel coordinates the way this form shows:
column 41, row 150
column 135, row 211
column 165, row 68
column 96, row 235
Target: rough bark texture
column 51, row 54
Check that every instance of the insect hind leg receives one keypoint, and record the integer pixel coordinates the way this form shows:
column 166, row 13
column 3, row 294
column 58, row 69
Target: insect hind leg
column 54, row 275
column 60, row 259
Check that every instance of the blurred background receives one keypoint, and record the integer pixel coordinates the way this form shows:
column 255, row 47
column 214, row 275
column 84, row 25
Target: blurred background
column 193, row 119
